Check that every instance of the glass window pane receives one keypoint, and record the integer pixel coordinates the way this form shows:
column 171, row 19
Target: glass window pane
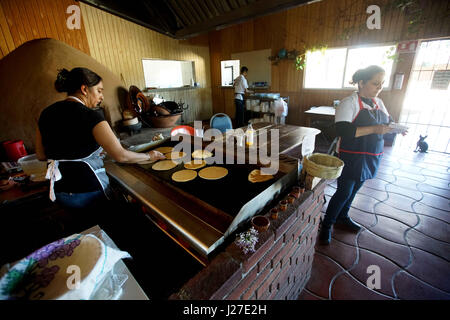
column 230, row 71
column 325, row 70
column 359, row 58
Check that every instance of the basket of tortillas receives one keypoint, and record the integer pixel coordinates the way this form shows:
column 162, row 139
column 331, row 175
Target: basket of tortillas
column 323, row 166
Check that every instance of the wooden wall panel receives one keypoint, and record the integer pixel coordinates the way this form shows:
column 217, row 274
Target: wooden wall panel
column 320, row 22
column 121, row 45
column 25, row 20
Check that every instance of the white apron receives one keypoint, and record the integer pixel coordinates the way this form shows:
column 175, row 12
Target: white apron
column 95, row 163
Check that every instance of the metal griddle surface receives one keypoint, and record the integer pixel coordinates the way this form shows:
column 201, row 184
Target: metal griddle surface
column 228, row 194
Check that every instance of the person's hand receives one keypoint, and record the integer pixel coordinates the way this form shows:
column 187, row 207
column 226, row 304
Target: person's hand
column 404, row 133
column 156, row 155
column 382, row 129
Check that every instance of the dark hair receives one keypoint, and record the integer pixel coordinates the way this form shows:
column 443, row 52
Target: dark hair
column 244, row 69
column 365, row 74
column 71, row 81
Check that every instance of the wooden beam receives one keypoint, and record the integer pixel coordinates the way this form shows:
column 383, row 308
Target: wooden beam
column 242, row 3
column 204, row 6
column 212, row 7
column 251, row 11
column 234, row 4
column 199, row 10
column 185, row 5
column 187, row 20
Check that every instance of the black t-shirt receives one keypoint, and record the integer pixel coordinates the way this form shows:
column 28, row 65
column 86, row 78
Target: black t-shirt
column 66, row 130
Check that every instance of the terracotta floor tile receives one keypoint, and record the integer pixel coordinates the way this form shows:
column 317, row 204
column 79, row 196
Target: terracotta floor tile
column 362, row 218
column 376, row 184
column 347, row 288
column 435, row 213
column 417, row 177
column 435, row 174
column 422, row 241
column 323, row 270
column 430, row 268
column 406, row 183
column 434, row 228
column 399, row 202
column 390, row 229
column 387, row 270
column 378, row 195
column 364, row 203
column 344, row 236
column 397, row 253
column 405, row 217
column 343, row 254
column 440, row 183
column 414, row 194
column 385, row 177
column 306, row 295
column 409, row 288
column 426, row 188
column 436, row 202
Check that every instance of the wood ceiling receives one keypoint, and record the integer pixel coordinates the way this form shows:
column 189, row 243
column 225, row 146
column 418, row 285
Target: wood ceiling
column 182, row 19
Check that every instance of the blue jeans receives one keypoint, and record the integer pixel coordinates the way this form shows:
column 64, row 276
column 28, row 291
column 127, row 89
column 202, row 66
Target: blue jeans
column 341, row 201
column 240, row 111
column 79, row 200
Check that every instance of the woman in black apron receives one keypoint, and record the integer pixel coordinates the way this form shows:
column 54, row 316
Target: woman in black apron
column 71, row 136
column 361, row 121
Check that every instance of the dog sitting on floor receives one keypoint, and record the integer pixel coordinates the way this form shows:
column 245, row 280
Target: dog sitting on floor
column 421, row 146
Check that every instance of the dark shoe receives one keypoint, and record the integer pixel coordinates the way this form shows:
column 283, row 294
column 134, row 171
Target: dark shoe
column 347, row 224
column 325, row 236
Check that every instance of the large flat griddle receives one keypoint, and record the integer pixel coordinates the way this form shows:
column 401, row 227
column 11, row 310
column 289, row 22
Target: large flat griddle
column 228, row 194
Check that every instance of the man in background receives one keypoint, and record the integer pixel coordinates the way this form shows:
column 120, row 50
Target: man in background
column 240, row 88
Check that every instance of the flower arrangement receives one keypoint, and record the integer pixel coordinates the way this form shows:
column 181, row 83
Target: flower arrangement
column 247, row 240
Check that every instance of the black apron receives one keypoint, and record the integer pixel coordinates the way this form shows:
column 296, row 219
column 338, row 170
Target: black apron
column 362, row 155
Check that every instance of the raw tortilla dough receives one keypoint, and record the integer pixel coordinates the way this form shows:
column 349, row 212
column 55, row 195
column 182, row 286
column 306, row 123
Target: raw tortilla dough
column 164, row 165
column 164, row 149
column 213, row 173
column 256, row 176
column 184, row 175
column 201, row 154
column 195, row 164
column 175, row 155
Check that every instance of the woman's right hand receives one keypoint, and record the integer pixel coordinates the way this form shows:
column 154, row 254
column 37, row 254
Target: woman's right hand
column 156, row 155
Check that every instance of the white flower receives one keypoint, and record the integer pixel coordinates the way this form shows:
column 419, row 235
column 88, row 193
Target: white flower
column 247, row 240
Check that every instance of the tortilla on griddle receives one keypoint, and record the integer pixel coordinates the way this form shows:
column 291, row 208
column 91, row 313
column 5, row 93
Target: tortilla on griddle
column 164, row 165
column 195, row 164
column 213, row 173
column 164, row 149
column 256, row 176
column 184, row 175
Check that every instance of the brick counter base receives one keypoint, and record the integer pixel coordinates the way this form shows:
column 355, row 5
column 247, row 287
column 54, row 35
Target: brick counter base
column 278, row 269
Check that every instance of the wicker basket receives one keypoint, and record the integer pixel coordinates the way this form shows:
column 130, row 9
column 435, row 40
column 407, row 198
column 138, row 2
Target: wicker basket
column 323, row 166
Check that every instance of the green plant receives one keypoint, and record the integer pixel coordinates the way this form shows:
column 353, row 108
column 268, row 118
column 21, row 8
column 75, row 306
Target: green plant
column 300, row 60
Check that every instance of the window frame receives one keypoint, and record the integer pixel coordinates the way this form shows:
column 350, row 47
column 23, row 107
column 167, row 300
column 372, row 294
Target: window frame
column 394, row 68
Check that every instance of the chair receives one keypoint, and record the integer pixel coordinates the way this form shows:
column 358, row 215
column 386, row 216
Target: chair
column 221, row 121
column 182, row 130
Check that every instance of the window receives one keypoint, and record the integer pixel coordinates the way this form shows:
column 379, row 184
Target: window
column 230, row 71
column 168, row 73
column 334, row 68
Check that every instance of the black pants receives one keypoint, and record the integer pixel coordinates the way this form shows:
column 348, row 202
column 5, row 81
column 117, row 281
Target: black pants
column 240, row 111
column 341, row 201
